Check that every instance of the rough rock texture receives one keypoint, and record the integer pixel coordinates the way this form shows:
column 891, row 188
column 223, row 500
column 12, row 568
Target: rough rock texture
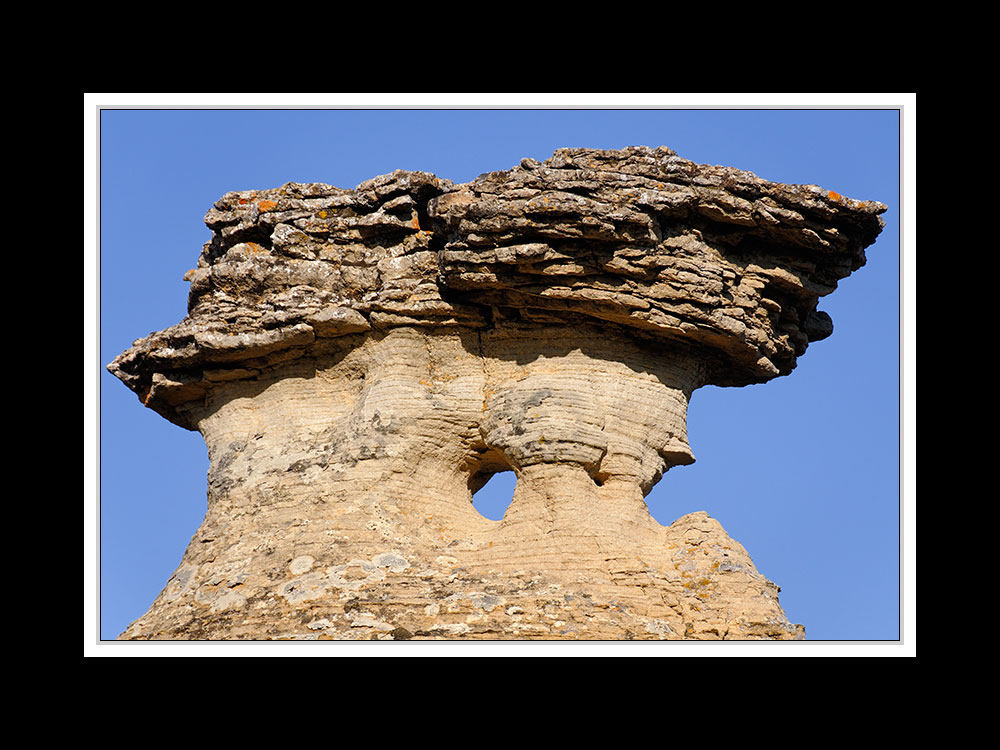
column 361, row 361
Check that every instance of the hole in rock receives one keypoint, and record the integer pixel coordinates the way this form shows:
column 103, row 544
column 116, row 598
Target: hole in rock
column 493, row 498
column 491, row 482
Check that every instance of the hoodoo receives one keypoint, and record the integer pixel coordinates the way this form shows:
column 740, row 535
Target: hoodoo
column 360, row 362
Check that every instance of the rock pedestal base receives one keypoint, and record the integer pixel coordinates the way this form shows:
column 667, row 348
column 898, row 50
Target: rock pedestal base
column 340, row 500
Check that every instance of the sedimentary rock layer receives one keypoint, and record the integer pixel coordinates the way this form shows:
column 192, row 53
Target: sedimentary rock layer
column 361, row 361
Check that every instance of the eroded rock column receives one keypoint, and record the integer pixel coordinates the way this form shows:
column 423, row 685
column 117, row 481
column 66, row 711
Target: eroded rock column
column 360, row 362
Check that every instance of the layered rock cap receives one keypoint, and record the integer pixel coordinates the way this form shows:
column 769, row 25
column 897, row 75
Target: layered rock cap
column 360, row 362
column 639, row 240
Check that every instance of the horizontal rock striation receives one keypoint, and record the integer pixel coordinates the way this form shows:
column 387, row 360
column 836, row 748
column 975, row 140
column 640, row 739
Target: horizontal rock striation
column 361, row 361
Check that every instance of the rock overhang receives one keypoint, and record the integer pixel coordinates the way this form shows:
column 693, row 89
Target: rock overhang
column 710, row 261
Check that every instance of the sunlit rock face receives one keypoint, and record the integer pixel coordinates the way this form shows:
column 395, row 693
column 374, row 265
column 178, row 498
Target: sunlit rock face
column 361, row 361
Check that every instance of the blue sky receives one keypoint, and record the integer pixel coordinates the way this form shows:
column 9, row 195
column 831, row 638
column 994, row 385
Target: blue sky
column 804, row 471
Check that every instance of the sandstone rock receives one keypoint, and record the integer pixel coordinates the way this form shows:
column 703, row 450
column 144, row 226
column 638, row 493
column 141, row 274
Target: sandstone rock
column 361, row 361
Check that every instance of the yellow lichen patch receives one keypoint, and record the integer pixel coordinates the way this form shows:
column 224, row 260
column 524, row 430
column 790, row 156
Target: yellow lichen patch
column 253, row 247
column 415, row 221
column 834, row 196
column 267, row 206
column 322, row 214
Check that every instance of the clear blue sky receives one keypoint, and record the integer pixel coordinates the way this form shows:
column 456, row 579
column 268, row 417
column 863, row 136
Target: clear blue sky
column 803, row 471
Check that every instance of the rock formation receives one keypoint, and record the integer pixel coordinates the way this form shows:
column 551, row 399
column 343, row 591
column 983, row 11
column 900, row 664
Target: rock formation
column 361, row 361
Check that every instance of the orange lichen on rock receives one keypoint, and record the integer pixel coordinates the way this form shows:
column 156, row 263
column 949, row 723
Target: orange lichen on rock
column 264, row 206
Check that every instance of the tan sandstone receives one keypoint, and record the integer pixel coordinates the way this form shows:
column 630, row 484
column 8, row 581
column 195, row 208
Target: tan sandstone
column 361, row 361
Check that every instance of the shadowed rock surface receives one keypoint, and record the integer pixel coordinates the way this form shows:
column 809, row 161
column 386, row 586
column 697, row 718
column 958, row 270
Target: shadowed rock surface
column 361, row 361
